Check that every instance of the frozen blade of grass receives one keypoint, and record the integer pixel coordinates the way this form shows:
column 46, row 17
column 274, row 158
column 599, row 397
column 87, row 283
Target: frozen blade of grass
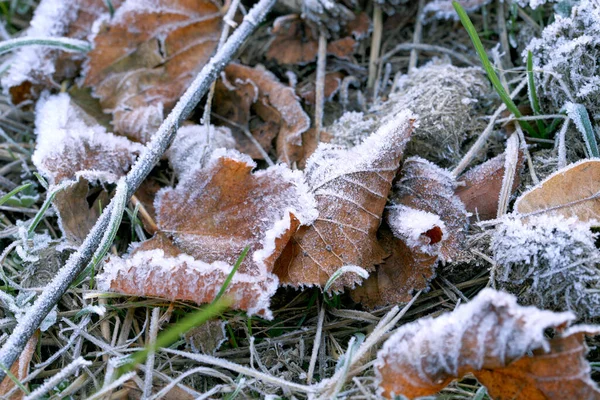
column 15, row 380
column 489, row 69
column 161, row 140
column 150, row 361
column 59, row 377
column 510, row 170
column 113, row 386
column 42, row 211
column 581, row 118
column 533, row 97
column 562, row 145
column 316, row 345
column 10, row 194
column 61, row 43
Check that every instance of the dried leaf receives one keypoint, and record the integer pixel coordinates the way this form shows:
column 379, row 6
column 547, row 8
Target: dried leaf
column 479, row 188
column 276, row 104
column 307, row 89
column 205, row 224
column 145, row 57
column 427, row 221
column 351, row 189
column 570, row 192
column 71, row 146
column 296, row 41
column 500, row 342
column 20, row 370
column 35, row 68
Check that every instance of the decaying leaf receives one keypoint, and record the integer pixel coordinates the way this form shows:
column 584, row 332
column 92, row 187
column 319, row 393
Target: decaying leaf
column 244, row 89
column 20, row 370
column 427, row 221
column 206, row 338
column 72, row 147
column 307, row 90
column 501, row 343
column 479, row 188
column 145, row 57
column 205, row 223
column 296, row 41
column 351, row 189
column 35, row 68
column 570, row 192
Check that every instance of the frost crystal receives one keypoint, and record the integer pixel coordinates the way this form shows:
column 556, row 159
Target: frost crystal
column 551, row 262
column 568, row 50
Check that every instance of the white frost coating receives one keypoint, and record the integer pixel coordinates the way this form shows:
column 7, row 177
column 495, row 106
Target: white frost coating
column 191, row 147
column 552, row 262
column 154, row 269
column 410, row 224
column 436, row 348
column 60, row 126
column 329, row 163
column 442, row 9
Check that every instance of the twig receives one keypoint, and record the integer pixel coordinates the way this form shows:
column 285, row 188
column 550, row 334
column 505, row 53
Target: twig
column 375, row 44
column 501, row 20
column 56, row 379
column 145, row 215
column 316, row 345
column 414, row 55
column 161, row 141
column 482, row 139
column 124, row 378
column 150, row 360
column 320, row 83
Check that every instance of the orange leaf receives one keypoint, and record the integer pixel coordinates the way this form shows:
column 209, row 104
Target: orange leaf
column 491, row 337
column 146, row 56
column 351, row 189
column 427, row 220
column 205, row 223
column 35, row 68
column 273, row 102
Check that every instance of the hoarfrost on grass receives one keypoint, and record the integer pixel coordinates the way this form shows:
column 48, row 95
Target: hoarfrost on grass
column 550, row 262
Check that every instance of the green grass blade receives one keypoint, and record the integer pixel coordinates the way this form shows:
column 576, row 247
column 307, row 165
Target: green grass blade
column 232, row 273
column 581, row 118
column 10, row 194
column 61, row 43
column 13, row 378
column 489, row 69
column 533, row 98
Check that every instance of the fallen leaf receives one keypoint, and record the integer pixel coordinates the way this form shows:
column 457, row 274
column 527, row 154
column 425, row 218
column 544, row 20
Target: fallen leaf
column 479, row 188
column 427, row 221
column 307, row 89
column 296, row 41
column 501, row 343
column 206, row 338
column 351, row 189
column 205, row 223
column 274, row 103
column 146, row 56
column 35, row 68
column 570, row 192
column 20, row 370
column 72, row 148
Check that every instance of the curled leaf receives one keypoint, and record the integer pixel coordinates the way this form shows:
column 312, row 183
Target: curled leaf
column 145, row 57
column 351, row 189
column 501, row 343
column 571, row 192
column 205, row 223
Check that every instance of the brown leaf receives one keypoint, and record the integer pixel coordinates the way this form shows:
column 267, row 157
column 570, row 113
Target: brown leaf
column 274, row 103
column 296, row 41
column 491, row 337
column 20, row 370
column 37, row 67
column 72, row 147
column 145, row 57
column 307, row 89
column 360, row 26
column 479, row 188
column 427, row 221
column 351, row 188
column 570, row 192
column 205, row 224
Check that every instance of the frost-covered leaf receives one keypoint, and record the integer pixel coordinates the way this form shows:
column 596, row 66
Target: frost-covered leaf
column 501, row 343
column 205, row 223
column 145, row 57
column 72, row 147
column 443, row 9
column 244, row 89
column 307, row 89
column 479, row 188
column 296, row 42
column 36, row 67
column 20, row 370
column 571, row 191
column 351, row 189
column 427, row 221
column 550, row 262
